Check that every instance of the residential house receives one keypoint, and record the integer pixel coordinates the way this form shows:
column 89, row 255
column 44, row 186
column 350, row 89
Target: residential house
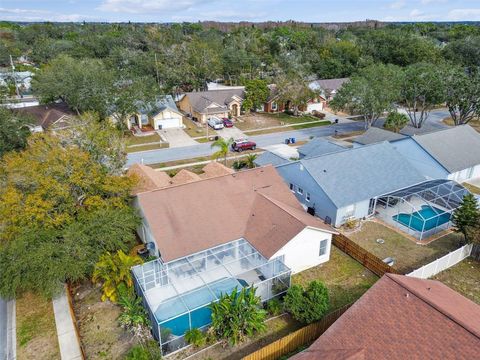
column 375, row 135
column 328, row 88
column 161, row 114
column 53, row 116
column 319, row 146
column 402, row 317
column 221, row 103
column 345, row 184
column 452, row 153
column 216, row 233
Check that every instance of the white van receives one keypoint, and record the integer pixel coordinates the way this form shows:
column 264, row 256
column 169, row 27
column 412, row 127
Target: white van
column 215, row 123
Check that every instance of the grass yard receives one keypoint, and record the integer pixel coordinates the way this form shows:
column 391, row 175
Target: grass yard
column 464, row 278
column 100, row 333
column 345, row 278
column 139, row 140
column 258, row 121
column 36, row 330
column 147, row 147
column 407, row 254
column 195, row 131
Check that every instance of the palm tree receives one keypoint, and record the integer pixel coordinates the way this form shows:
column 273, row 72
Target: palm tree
column 250, row 160
column 223, row 146
column 113, row 271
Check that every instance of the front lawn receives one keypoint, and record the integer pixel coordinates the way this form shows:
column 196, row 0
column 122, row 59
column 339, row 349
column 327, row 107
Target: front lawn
column 139, row 140
column 258, row 121
column 345, row 278
column 407, row 254
column 157, row 146
column 464, row 278
column 36, row 329
column 100, row 333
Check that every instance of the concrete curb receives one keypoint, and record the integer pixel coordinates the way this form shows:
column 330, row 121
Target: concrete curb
column 11, row 330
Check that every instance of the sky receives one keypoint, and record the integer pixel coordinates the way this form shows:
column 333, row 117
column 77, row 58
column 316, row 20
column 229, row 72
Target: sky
column 238, row 10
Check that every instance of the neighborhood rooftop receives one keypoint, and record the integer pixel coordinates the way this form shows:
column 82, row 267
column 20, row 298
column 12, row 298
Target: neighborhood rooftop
column 403, row 317
column 256, row 204
column 375, row 135
column 319, row 146
column 462, row 151
column 361, row 173
column 328, row 84
column 203, row 100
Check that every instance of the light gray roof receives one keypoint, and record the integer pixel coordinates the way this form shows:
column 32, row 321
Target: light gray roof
column 202, row 99
column 362, row 173
column 162, row 103
column 268, row 158
column 319, row 146
column 456, row 148
column 375, row 135
column 328, row 84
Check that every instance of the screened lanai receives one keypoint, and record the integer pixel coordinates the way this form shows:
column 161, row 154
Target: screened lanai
column 177, row 294
column 421, row 210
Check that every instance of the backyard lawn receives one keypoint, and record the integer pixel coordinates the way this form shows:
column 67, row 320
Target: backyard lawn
column 36, row 330
column 100, row 333
column 345, row 278
column 464, row 278
column 407, row 254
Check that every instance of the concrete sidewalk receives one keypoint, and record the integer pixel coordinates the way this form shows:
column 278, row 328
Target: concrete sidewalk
column 67, row 335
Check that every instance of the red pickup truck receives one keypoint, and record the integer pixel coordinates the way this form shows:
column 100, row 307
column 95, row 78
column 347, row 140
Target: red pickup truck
column 240, row 145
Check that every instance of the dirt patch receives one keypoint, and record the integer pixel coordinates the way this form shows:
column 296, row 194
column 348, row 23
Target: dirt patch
column 254, row 121
column 407, row 254
column 100, row 333
column 36, row 331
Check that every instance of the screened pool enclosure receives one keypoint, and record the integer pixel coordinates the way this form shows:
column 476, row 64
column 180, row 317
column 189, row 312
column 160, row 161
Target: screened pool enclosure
column 421, row 210
column 177, row 294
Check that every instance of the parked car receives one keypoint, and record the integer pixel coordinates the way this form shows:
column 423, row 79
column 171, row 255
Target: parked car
column 240, row 145
column 215, row 123
column 227, row 122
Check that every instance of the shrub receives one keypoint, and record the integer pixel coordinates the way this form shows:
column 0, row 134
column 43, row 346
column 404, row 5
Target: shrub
column 307, row 305
column 395, row 121
column 237, row 316
column 195, row 337
column 351, row 224
column 274, row 307
column 147, row 351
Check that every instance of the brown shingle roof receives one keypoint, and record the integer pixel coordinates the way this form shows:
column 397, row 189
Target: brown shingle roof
column 403, row 317
column 47, row 115
column 148, row 178
column 213, row 169
column 184, row 177
column 196, row 216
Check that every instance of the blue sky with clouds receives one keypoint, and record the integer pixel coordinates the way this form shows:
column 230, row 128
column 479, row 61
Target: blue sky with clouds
column 249, row 10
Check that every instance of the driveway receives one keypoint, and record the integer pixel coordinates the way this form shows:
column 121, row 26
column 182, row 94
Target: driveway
column 232, row 132
column 177, row 137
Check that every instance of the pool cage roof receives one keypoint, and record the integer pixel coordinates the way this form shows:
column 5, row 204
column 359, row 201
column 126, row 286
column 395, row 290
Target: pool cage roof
column 177, row 287
column 440, row 197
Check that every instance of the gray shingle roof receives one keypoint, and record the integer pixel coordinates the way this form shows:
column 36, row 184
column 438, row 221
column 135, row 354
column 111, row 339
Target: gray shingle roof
column 319, row 146
column 455, row 148
column 362, row 173
column 160, row 104
column 268, row 158
column 376, row 135
column 202, row 99
column 328, row 84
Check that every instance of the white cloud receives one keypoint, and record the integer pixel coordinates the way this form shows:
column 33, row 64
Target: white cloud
column 149, row 6
column 464, row 14
column 397, row 5
column 427, row 2
column 41, row 15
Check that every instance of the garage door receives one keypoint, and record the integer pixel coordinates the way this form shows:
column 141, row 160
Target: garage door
column 167, row 123
column 316, row 106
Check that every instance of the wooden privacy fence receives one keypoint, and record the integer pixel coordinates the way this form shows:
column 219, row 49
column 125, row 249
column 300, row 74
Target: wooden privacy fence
column 293, row 341
column 367, row 259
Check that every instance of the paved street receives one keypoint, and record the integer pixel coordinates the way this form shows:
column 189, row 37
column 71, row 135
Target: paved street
column 3, row 329
column 202, row 150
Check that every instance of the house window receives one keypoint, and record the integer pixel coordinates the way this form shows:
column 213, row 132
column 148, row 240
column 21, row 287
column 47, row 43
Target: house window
column 292, row 187
column 274, row 106
column 300, row 190
column 307, row 196
column 323, row 247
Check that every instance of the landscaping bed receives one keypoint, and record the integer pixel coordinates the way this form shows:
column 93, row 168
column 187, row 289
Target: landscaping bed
column 100, row 333
column 407, row 254
column 345, row 278
column 464, row 278
column 36, row 329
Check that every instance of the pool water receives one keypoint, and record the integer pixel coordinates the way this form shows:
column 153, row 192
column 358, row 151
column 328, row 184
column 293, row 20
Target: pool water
column 416, row 220
column 194, row 299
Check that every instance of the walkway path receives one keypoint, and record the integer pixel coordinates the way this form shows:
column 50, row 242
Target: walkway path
column 67, row 335
column 8, row 339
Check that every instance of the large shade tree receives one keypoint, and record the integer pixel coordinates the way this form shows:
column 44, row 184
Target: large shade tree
column 370, row 93
column 14, row 130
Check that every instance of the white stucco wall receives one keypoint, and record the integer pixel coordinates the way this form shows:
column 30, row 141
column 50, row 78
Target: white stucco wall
column 302, row 252
column 466, row 174
column 168, row 119
column 360, row 211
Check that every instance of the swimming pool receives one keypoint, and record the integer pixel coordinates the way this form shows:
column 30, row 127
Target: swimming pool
column 424, row 219
column 199, row 299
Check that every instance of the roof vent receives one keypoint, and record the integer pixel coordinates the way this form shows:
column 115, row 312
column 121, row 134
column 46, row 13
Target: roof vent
column 407, row 295
column 301, row 167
